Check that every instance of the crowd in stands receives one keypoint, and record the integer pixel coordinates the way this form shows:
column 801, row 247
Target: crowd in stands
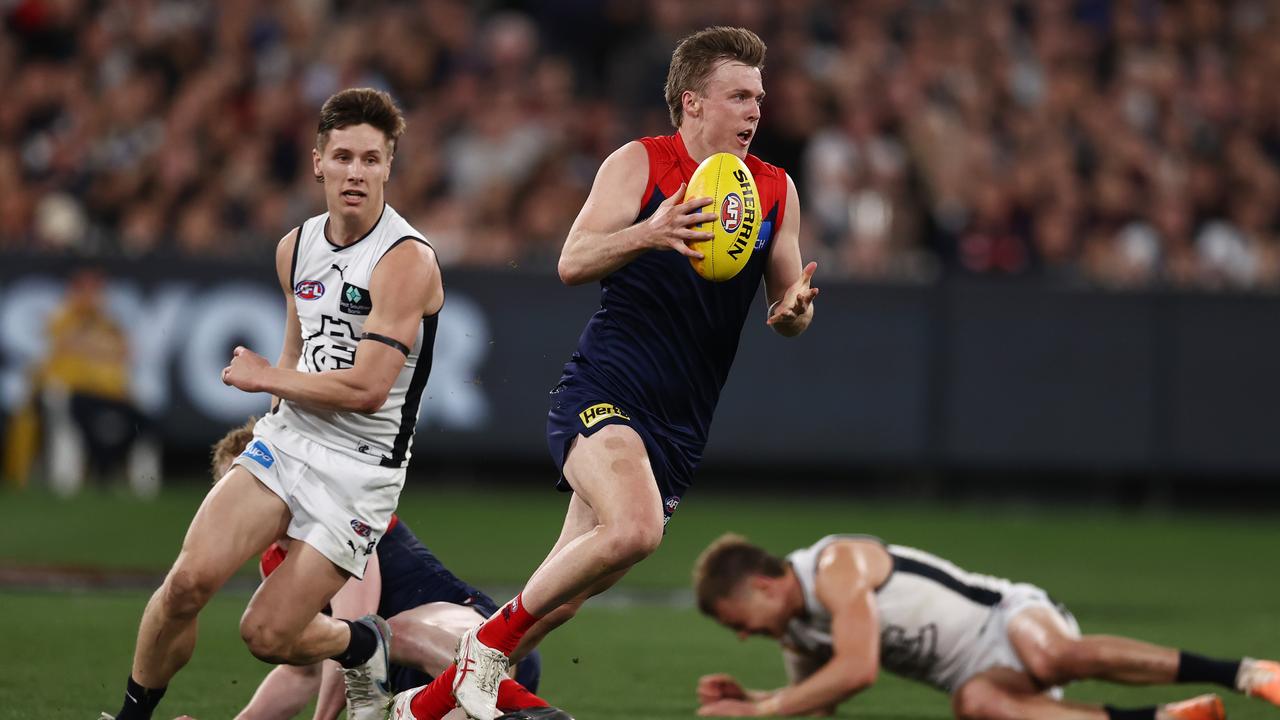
column 1130, row 143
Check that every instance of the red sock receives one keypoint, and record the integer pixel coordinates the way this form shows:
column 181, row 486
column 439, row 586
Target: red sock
column 513, row 696
column 504, row 630
column 435, row 700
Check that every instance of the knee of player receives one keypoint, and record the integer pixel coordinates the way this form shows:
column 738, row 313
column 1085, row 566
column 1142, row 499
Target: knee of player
column 630, row 543
column 186, row 591
column 264, row 641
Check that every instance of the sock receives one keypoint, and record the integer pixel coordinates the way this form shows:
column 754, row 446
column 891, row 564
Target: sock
column 503, row 631
column 139, row 702
column 513, row 696
column 436, row 699
column 1194, row 668
column 363, row 643
column 1146, row 713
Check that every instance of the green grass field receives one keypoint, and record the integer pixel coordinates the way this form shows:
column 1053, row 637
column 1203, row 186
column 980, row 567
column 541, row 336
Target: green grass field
column 1193, row 581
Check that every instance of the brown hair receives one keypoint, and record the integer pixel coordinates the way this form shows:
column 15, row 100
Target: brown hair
column 231, row 445
column 725, row 563
column 359, row 106
column 698, row 55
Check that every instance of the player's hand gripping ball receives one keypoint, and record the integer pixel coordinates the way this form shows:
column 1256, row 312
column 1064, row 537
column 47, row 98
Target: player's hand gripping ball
column 725, row 179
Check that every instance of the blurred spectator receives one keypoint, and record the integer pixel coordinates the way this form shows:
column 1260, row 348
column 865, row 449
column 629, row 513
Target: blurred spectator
column 89, row 422
column 1124, row 143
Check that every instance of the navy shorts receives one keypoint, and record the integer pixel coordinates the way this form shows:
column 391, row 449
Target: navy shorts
column 412, row 576
column 577, row 408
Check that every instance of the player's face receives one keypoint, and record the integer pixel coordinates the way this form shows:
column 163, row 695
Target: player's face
column 754, row 609
column 355, row 164
column 729, row 107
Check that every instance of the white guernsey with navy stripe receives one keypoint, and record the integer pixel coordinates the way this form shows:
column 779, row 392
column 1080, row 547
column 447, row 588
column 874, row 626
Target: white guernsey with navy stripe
column 932, row 614
column 331, row 291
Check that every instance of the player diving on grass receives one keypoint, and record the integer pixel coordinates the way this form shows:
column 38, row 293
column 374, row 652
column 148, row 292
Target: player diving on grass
column 427, row 607
column 849, row 605
column 362, row 292
column 632, row 411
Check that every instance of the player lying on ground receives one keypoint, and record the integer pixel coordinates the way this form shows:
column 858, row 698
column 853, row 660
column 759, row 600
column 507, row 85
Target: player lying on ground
column 427, row 607
column 850, row 604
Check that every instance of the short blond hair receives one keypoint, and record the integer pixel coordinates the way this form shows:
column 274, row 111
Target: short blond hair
column 698, row 55
column 231, row 445
column 725, row 564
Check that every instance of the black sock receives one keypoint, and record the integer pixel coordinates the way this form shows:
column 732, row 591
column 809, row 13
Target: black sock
column 1146, row 713
column 1194, row 668
column 364, row 641
column 139, row 702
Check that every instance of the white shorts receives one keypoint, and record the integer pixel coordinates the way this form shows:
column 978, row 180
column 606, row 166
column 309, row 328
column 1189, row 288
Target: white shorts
column 339, row 505
column 992, row 647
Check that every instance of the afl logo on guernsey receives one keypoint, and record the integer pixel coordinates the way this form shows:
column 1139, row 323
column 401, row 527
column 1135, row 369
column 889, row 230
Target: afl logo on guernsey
column 731, row 212
column 309, row 289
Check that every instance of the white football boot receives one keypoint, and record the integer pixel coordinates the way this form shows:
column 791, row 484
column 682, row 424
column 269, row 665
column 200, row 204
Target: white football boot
column 400, row 709
column 480, row 670
column 368, row 684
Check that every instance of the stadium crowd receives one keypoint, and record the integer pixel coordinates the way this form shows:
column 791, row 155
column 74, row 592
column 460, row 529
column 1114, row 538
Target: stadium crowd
column 1122, row 144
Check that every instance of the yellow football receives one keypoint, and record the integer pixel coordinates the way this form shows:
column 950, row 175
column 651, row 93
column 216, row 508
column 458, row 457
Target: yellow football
column 725, row 179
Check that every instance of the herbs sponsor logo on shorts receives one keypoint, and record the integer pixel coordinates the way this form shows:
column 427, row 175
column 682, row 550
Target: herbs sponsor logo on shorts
column 260, row 453
column 601, row 411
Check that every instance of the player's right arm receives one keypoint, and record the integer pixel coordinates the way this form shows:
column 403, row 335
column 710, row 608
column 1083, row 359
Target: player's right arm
column 605, row 236
column 848, row 575
column 292, row 348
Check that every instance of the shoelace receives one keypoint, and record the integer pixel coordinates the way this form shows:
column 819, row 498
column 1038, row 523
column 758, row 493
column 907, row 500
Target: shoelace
column 359, row 687
column 491, row 670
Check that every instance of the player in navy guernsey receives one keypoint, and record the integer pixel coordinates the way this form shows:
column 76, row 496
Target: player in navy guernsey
column 632, row 412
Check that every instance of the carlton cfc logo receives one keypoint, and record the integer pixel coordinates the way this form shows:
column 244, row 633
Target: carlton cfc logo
column 731, row 212
column 308, row 289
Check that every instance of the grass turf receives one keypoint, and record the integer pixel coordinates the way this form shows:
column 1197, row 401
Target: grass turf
column 1193, row 581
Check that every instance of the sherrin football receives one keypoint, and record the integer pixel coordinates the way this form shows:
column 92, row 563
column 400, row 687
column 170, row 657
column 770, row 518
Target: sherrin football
column 725, row 179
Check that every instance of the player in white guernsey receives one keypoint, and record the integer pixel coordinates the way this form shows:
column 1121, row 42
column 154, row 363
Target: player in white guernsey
column 850, row 604
column 326, row 466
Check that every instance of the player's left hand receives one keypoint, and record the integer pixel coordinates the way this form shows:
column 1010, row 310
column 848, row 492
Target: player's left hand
column 245, row 368
column 730, row 708
column 795, row 301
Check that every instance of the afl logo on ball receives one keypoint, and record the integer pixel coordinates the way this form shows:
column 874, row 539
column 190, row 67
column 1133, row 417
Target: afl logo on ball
column 309, row 289
column 731, row 212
